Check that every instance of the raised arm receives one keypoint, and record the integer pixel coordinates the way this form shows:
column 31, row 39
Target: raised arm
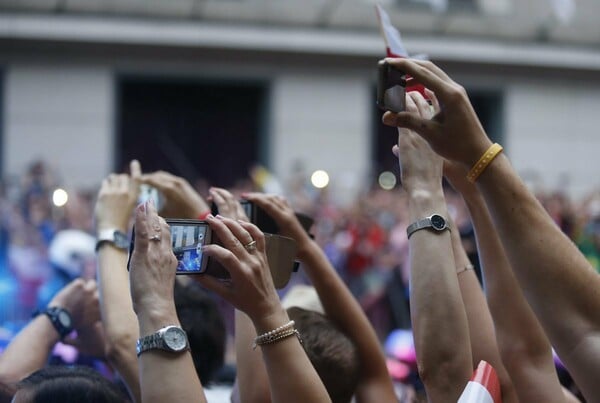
column 339, row 304
column 165, row 376
column 292, row 378
column 31, row 347
column 116, row 201
column 438, row 315
column 558, row 282
column 524, row 347
column 252, row 380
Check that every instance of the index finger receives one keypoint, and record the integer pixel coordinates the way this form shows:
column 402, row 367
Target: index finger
column 425, row 73
column 135, row 169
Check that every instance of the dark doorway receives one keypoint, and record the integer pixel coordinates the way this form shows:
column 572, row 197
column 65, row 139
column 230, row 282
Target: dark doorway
column 194, row 129
column 489, row 106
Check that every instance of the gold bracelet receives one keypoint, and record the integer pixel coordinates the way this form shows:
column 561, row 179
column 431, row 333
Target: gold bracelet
column 464, row 269
column 484, row 161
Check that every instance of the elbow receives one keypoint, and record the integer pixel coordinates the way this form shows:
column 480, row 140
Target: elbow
column 447, row 374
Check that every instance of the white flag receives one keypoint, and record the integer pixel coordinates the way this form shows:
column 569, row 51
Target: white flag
column 391, row 36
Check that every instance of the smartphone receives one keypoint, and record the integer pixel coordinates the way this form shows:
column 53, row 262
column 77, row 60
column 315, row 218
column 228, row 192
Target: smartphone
column 263, row 220
column 187, row 239
column 391, row 88
column 148, row 192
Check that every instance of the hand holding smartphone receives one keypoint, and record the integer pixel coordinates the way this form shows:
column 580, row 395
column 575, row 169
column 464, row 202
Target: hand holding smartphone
column 188, row 237
column 391, row 88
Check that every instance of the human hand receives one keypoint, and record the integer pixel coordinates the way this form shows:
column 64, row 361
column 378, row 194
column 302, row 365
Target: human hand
column 181, row 200
column 284, row 216
column 89, row 340
column 228, row 205
column 80, row 299
column 420, row 167
column 153, row 264
column 454, row 132
column 117, row 198
column 250, row 288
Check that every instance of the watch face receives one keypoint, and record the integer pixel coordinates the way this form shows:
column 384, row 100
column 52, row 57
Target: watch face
column 175, row 339
column 438, row 222
column 64, row 319
column 121, row 240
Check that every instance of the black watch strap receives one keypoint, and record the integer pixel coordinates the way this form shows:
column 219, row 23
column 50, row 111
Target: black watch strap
column 60, row 319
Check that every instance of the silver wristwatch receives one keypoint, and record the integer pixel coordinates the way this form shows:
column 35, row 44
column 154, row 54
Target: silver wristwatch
column 435, row 222
column 113, row 236
column 169, row 338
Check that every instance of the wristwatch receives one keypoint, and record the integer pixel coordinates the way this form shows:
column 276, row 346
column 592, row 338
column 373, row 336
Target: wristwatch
column 435, row 222
column 114, row 236
column 169, row 338
column 60, row 318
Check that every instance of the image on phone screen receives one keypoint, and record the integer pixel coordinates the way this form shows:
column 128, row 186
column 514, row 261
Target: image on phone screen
column 187, row 240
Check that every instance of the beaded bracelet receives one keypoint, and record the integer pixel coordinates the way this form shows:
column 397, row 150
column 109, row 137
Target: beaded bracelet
column 484, row 161
column 277, row 334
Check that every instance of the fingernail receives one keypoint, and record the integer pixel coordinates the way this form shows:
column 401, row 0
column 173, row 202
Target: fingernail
column 210, row 217
column 219, row 216
column 204, row 248
column 142, row 207
column 244, row 194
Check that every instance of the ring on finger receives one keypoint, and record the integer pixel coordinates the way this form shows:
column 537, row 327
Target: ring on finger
column 251, row 246
column 155, row 238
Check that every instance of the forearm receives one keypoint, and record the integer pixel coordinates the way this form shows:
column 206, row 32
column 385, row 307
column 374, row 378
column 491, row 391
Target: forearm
column 29, row 350
column 118, row 318
column 439, row 320
column 540, row 255
column 525, row 350
column 252, row 378
column 291, row 379
column 558, row 282
column 342, row 309
column 481, row 326
column 166, row 376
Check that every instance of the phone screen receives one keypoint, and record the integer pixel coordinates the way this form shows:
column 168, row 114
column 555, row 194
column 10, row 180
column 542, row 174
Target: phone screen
column 187, row 239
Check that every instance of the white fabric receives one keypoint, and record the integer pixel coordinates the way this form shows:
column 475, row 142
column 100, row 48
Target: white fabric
column 475, row 393
column 392, row 37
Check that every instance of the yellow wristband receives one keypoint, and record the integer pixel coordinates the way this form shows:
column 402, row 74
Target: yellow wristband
column 484, row 161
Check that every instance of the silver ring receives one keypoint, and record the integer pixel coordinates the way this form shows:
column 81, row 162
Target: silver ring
column 155, row 238
column 250, row 246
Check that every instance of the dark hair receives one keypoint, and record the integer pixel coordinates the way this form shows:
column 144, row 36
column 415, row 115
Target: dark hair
column 62, row 384
column 202, row 321
column 331, row 352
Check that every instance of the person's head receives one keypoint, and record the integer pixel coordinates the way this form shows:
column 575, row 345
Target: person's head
column 331, row 352
column 202, row 321
column 60, row 384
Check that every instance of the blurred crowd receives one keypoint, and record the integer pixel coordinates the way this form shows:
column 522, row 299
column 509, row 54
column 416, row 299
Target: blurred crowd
column 43, row 246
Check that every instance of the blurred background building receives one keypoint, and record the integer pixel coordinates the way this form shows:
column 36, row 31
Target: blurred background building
column 209, row 87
